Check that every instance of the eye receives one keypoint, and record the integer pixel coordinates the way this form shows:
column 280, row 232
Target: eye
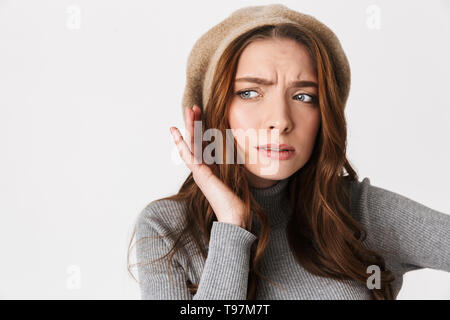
column 306, row 98
column 246, row 97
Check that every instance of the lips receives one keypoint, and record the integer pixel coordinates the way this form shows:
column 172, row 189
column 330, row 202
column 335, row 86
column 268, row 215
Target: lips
column 276, row 147
column 277, row 151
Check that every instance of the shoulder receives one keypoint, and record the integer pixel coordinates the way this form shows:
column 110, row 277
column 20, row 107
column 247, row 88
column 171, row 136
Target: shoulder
column 410, row 233
column 386, row 213
column 359, row 195
column 372, row 204
column 161, row 216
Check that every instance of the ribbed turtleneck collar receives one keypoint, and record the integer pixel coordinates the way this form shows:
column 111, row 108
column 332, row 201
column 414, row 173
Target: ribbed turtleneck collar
column 274, row 200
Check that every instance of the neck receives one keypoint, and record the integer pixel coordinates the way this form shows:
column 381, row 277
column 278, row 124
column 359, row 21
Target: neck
column 258, row 182
column 275, row 202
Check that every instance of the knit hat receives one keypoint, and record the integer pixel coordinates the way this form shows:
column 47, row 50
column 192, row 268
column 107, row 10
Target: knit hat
column 209, row 47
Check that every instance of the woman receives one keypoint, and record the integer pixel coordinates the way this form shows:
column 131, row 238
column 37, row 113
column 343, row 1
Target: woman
column 306, row 228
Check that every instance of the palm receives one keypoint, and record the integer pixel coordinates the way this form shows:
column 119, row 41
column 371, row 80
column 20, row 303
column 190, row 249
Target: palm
column 227, row 206
column 200, row 170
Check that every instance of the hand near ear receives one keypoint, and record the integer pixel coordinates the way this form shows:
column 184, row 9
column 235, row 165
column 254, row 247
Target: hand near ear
column 227, row 206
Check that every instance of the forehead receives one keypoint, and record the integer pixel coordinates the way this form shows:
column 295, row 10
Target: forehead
column 282, row 56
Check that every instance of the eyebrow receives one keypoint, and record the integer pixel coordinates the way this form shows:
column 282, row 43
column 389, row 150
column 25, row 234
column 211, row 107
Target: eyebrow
column 297, row 83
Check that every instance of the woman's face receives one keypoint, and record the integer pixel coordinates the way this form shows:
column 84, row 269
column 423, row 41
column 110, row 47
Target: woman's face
column 280, row 102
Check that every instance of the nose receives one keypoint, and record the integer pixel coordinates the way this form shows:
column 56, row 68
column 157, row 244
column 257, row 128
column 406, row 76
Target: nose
column 279, row 117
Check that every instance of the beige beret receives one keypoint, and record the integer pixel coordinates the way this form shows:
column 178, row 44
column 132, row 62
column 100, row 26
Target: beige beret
column 209, row 47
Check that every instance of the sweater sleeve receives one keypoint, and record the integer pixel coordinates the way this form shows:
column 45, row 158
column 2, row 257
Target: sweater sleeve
column 225, row 271
column 413, row 235
column 225, row 274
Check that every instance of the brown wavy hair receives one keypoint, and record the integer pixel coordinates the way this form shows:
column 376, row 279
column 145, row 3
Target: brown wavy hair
column 322, row 234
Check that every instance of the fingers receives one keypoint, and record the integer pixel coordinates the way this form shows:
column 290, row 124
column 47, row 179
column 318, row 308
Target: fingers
column 186, row 147
column 183, row 148
column 189, row 123
column 196, row 116
column 197, row 112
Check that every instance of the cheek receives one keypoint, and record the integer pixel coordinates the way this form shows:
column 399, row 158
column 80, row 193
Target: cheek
column 242, row 118
column 312, row 126
column 312, row 137
column 307, row 128
column 309, row 119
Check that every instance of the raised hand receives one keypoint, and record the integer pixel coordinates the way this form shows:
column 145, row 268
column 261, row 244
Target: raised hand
column 227, row 206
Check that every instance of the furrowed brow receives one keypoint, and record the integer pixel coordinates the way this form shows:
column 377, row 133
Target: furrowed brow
column 296, row 83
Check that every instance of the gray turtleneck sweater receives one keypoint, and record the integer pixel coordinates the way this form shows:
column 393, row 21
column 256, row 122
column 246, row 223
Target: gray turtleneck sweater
column 414, row 235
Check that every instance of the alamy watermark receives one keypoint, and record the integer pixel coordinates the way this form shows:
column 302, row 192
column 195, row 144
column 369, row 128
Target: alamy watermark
column 73, row 21
column 373, row 21
column 214, row 152
column 374, row 280
column 73, row 280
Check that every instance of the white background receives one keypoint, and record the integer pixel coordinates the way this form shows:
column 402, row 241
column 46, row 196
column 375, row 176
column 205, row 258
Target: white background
column 88, row 90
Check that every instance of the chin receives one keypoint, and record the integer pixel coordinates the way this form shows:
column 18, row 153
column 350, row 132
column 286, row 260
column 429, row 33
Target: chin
column 272, row 173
